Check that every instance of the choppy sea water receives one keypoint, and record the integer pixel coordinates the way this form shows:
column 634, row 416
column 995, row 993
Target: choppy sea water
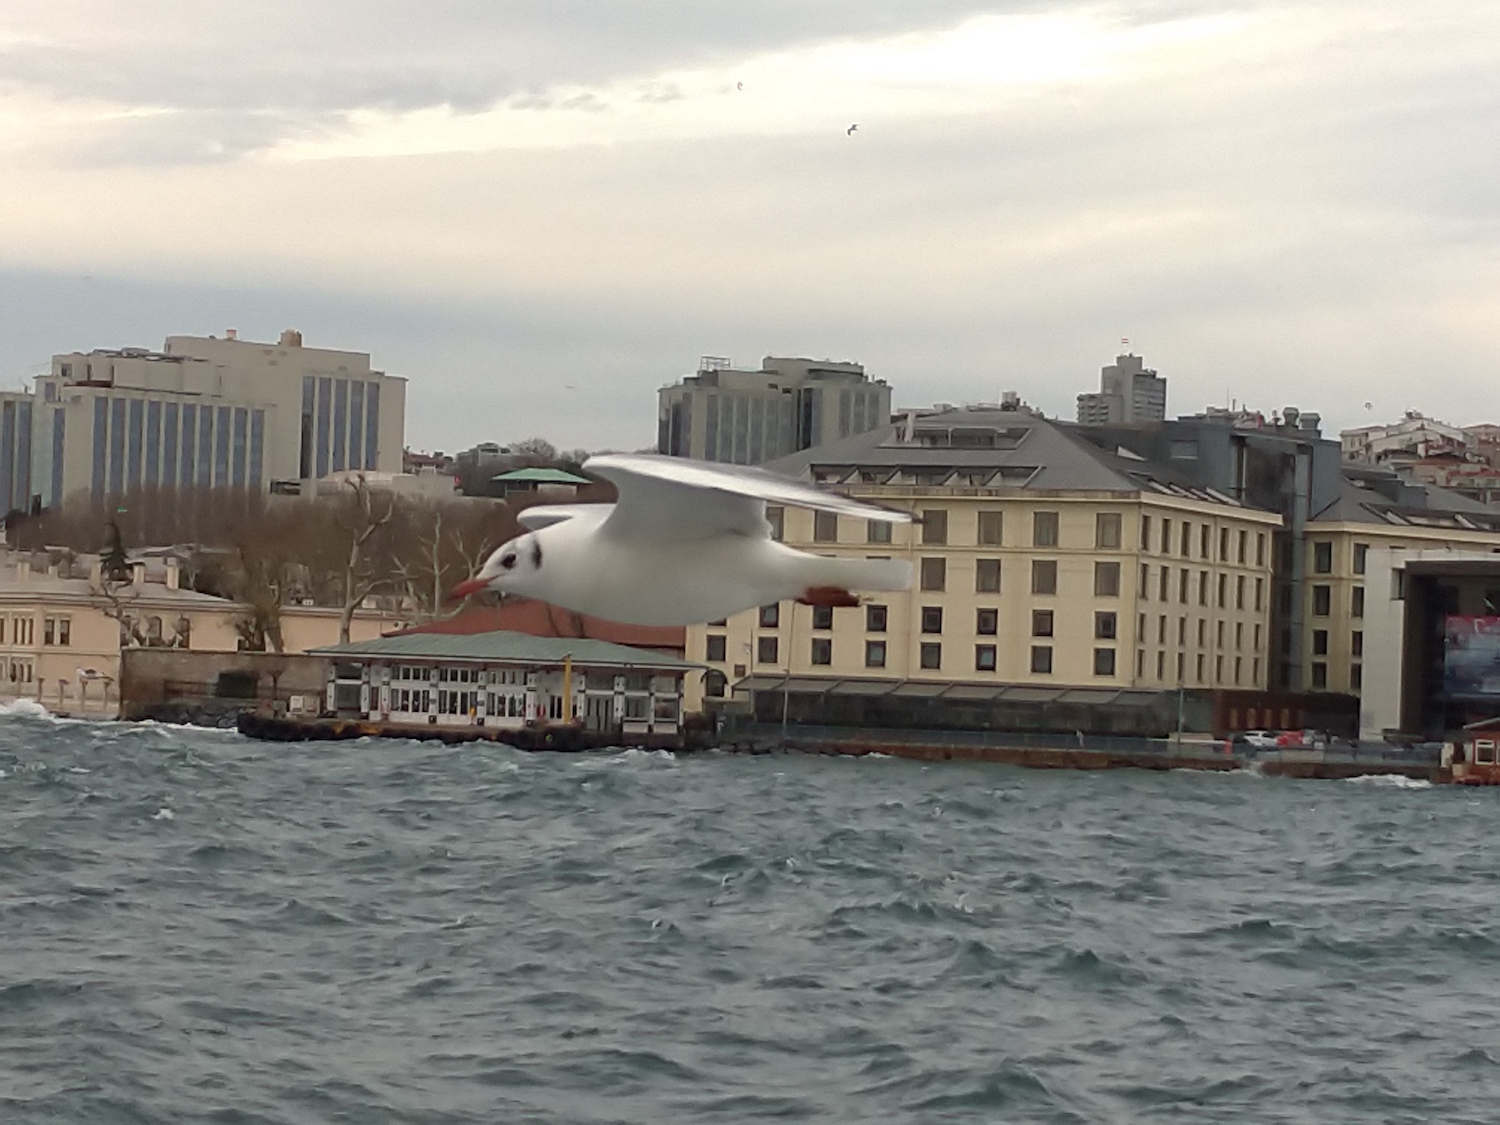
column 197, row 927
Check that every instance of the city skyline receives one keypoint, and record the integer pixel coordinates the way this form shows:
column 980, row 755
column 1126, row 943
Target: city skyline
column 542, row 218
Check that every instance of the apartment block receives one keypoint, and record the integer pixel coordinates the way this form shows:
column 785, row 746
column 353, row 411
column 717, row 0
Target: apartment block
column 1041, row 561
column 1128, row 393
column 744, row 417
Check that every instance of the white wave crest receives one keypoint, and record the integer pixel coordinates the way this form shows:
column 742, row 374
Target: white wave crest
column 24, row 709
column 1391, row 781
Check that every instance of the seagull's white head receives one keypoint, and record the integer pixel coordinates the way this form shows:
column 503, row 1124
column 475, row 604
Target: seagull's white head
column 512, row 569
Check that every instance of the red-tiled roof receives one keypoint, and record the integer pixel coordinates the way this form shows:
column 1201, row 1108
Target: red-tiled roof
column 538, row 619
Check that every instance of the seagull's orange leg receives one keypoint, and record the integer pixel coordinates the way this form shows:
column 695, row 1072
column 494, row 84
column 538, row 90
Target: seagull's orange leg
column 827, row 595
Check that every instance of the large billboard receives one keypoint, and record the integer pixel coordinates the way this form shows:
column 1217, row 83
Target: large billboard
column 1471, row 655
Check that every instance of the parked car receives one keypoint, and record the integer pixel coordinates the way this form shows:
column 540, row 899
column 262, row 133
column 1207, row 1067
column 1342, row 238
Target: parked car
column 1303, row 740
column 1258, row 739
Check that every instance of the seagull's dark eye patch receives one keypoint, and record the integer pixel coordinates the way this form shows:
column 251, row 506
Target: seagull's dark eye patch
column 536, row 553
column 508, row 561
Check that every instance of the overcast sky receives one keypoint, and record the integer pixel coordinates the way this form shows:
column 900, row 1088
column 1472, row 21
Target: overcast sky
column 541, row 211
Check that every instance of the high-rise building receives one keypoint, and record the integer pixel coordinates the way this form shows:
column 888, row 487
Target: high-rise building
column 1128, row 393
column 745, row 417
column 210, row 412
column 15, row 452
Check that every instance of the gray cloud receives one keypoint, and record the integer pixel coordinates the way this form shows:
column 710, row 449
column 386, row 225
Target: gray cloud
column 1317, row 228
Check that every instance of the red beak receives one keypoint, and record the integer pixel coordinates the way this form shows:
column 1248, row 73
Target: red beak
column 464, row 589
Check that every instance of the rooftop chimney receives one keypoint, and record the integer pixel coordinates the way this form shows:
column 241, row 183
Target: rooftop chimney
column 291, row 338
column 231, row 333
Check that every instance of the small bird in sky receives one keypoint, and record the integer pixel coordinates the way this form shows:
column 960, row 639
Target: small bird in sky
column 739, row 85
column 685, row 542
column 849, row 132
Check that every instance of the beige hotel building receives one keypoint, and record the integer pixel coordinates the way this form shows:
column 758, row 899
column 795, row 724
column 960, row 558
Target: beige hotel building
column 1039, row 560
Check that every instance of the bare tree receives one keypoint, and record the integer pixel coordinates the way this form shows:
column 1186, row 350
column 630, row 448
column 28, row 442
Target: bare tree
column 361, row 514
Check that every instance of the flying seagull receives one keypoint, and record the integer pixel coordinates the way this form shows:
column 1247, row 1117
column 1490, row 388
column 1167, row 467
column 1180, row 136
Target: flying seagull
column 849, row 132
column 686, row 542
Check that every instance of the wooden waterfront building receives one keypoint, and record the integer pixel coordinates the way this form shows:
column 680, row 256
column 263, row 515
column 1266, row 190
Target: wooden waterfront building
column 505, row 681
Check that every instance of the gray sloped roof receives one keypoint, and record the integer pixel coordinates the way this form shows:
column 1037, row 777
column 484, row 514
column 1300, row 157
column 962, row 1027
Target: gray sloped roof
column 1361, row 500
column 1043, row 455
column 504, row 646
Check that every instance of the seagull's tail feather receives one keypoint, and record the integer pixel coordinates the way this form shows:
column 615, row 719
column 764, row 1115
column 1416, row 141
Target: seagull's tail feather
column 862, row 575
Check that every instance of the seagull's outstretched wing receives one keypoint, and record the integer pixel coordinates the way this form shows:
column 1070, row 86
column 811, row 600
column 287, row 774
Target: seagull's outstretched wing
column 675, row 498
column 539, row 516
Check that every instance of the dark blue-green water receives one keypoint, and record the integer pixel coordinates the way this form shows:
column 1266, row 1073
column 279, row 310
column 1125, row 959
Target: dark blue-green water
column 196, row 927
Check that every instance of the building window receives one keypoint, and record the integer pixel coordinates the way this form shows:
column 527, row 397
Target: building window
column 1202, row 627
column 1106, row 625
column 932, row 619
column 714, row 684
column 1041, row 659
column 1104, row 662
column 875, row 616
column 1223, row 544
column 1161, row 666
column 1322, row 556
column 1182, row 630
column 984, row 658
column 1107, row 531
column 934, row 574
column 1260, row 589
column 1184, row 578
column 1319, row 675
column 49, row 630
column 935, row 526
column 931, row 656
column 1361, row 556
column 776, row 517
column 1187, row 540
column 1166, row 536
column 766, row 651
column 1041, row 623
column 1219, row 669
column 1044, row 529
column 1244, row 546
column 1356, row 677
column 1044, row 576
column 1320, row 642
column 825, row 527
column 874, row 654
column 1257, row 638
column 1145, row 582
column 770, row 615
column 1107, row 579
column 1357, row 601
column 714, row 648
column 877, row 531
column 822, row 650
column 987, row 622
column 1322, row 600
column 1145, row 532
column 1223, row 585
column 1357, row 643
column 1205, row 541
column 1239, row 591
column 1239, row 663
column 991, row 528
column 1219, row 634
column 1260, row 548
column 1203, row 587
column 1239, row 634
column 1165, row 584
column 987, row 576
column 1140, row 663
column 1161, row 629
column 1200, row 667
column 822, row 616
